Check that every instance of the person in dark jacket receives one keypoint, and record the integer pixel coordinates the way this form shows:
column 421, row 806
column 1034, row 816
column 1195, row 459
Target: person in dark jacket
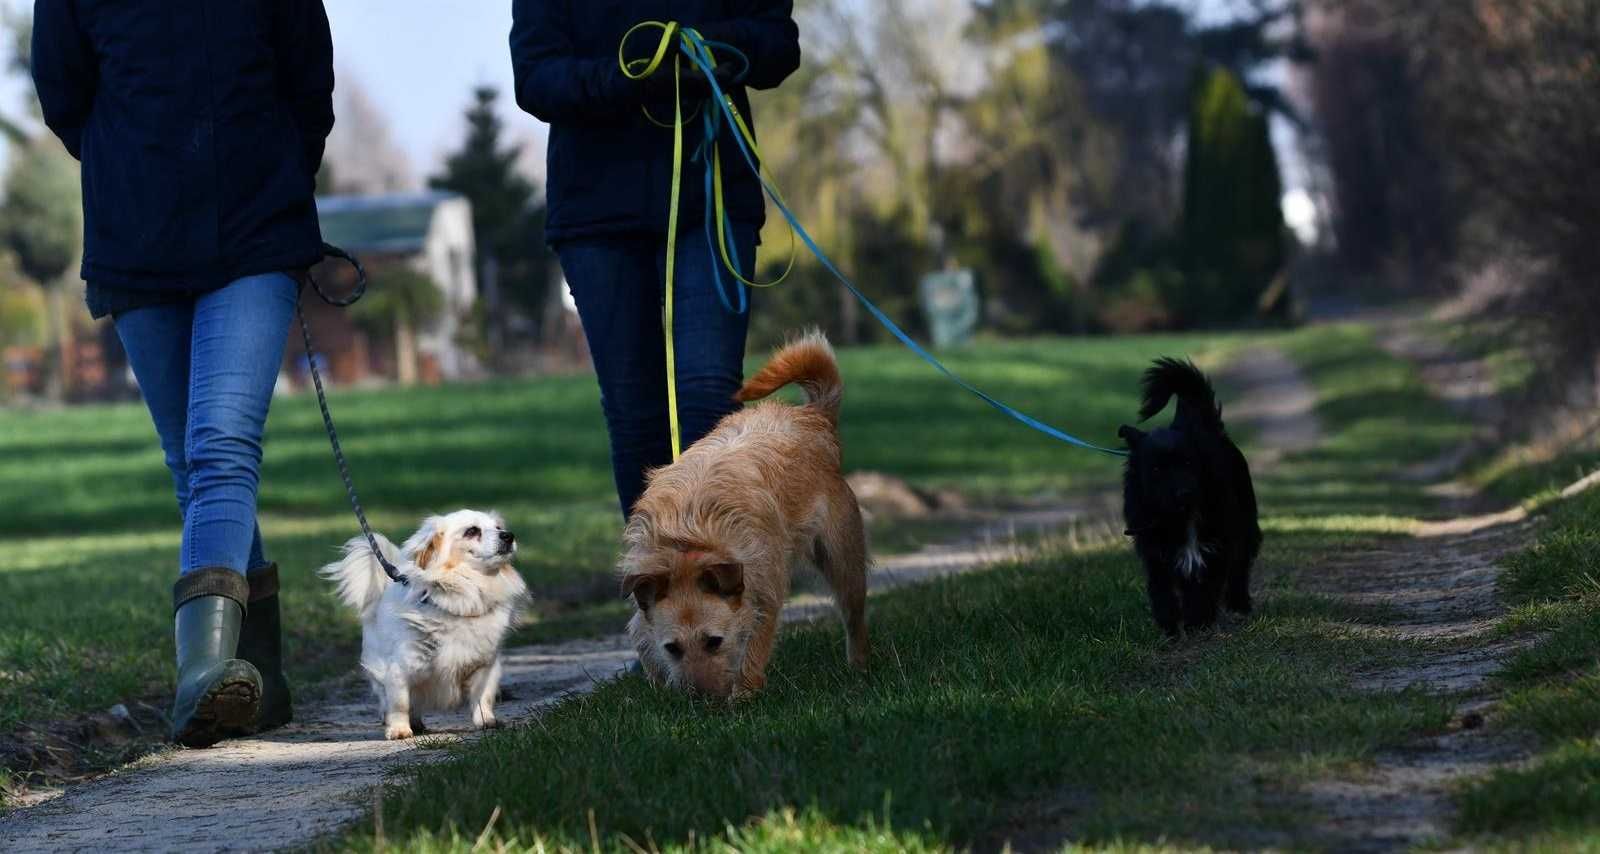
column 200, row 126
column 610, row 172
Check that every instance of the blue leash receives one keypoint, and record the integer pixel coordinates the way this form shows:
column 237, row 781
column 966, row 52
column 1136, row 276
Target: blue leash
column 702, row 59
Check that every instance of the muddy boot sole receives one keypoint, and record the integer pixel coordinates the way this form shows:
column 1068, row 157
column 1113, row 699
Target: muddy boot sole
column 227, row 708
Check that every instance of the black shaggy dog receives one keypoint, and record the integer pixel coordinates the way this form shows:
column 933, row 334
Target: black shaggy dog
column 1189, row 503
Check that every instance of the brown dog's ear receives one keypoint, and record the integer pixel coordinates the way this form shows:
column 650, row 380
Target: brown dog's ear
column 645, row 588
column 723, row 579
column 1131, row 435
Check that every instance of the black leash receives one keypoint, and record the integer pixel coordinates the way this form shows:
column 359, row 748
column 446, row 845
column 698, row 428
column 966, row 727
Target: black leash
column 322, row 395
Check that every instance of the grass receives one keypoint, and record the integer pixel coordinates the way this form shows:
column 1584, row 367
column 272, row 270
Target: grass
column 1030, row 681
column 1035, row 699
column 1032, row 701
column 1552, row 691
column 89, row 532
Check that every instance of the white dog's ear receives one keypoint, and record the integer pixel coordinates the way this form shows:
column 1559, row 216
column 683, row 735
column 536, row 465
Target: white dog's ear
column 425, row 544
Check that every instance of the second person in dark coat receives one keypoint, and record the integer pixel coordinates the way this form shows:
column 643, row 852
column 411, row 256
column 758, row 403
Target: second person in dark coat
column 610, row 172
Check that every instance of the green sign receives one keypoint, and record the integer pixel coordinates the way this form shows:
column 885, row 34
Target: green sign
column 950, row 301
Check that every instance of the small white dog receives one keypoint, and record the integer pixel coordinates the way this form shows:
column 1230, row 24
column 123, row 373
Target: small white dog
column 433, row 644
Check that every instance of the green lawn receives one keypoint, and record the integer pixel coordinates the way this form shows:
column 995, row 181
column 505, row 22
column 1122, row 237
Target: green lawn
column 89, row 532
column 1552, row 691
column 1032, row 700
column 1025, row 699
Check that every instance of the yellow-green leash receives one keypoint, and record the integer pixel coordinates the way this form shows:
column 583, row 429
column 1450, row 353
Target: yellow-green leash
column 687, row 40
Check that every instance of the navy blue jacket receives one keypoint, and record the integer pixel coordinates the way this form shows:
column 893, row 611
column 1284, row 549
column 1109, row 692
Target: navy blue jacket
column 610, row 168
column 200, row 125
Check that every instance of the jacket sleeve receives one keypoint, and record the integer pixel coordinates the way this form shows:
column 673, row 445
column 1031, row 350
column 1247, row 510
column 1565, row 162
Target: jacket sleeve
column 553, row 83
column 766, row 32
column 65, row 71
column 303, row 46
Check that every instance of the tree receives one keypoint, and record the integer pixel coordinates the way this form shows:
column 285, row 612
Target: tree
column 1393, row 204
column 1462, row 137
column 1233, row 232
column 41, row 223
column 406, row 300
column 362, row 157
column 1514, row 88
column 513, row 262
column 1136, row 62
column 23, row 312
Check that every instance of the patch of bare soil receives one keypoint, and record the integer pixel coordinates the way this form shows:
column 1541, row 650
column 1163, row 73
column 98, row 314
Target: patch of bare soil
column 74, row 750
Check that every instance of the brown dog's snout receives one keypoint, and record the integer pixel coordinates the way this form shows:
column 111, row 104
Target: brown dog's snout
column 712, row 681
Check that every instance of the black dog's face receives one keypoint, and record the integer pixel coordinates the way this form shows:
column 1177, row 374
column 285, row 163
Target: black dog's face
column 1161, row 464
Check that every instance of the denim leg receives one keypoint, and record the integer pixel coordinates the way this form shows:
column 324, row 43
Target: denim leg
column 236, row 349
column 710, row 339
column 156, row 339
column 615, row 285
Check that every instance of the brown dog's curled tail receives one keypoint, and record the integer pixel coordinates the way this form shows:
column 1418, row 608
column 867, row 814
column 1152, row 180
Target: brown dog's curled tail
column 807, row 361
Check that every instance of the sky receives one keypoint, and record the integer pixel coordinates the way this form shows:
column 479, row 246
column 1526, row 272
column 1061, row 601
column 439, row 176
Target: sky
column 421, row 66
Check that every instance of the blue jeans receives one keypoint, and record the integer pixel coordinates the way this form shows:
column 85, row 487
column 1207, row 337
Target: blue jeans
column 618, row 285
column 207, row 367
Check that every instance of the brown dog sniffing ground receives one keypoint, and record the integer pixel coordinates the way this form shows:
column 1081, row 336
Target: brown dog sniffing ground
column 712, row 543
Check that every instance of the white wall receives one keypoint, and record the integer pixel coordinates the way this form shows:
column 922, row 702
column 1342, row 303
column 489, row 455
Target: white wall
column 450, row 258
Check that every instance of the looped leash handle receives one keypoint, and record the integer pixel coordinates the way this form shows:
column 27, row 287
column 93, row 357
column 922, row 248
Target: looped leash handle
column 331, row 251
column 355, row 295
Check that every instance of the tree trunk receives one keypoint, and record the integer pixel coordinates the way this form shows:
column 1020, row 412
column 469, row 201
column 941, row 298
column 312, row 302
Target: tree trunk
column 58, row 348
column 837, row 231
column 494, row 325
column 405, row 349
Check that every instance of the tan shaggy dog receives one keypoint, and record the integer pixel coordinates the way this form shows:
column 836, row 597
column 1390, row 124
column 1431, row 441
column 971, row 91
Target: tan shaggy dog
column 711, row 544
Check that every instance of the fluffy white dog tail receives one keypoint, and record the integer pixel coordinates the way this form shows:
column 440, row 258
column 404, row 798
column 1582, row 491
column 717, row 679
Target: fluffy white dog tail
column 360, row 577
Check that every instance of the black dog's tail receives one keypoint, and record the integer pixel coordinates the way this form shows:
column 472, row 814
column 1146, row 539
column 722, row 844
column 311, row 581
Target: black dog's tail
column 1197, row 400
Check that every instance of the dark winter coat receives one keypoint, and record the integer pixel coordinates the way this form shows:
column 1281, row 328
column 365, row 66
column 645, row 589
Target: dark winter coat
column 610, row 168
column 200, row 125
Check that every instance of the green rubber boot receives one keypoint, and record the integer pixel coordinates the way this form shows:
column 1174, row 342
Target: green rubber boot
column 261, row 644
column 217, row 695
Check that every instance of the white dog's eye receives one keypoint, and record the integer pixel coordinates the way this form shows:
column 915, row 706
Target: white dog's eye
column 472, row 533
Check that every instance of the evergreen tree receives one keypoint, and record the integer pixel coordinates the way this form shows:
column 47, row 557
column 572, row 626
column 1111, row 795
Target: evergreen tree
column 1232, row 230
column 512, row 259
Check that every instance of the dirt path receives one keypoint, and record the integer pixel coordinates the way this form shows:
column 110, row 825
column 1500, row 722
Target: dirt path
column 307, row 780
column 1442, row 583
column 1277, row 406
